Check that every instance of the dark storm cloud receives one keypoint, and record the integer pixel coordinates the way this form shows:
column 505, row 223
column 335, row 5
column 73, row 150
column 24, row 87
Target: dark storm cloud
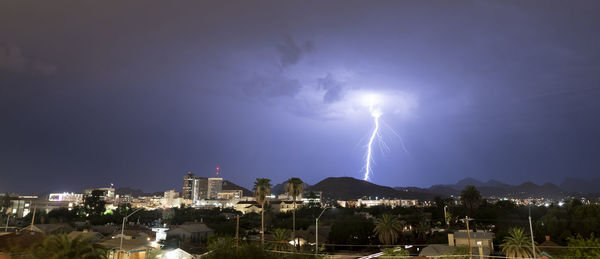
column 291, row 52
column 270, row 83
column 334, row 89
column 13, row 60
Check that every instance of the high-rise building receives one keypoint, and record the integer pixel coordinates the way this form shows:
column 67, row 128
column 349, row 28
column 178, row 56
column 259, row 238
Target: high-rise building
column 194, row 187
column 215, row 185
column 187, row 189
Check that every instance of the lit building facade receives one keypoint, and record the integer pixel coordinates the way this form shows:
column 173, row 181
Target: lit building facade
column 215, row 186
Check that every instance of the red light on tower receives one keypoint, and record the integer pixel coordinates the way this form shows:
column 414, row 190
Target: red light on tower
column 218, row 170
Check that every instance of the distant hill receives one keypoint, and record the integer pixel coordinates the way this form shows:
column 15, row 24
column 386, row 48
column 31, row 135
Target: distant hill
column 499, row 189
column 581, row 185
column 227, row 185
column 280, row 188
column 351, row 188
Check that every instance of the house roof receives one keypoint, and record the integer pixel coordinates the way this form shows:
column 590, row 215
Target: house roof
column 193, row 228
column 20, row 240
column 247, row 202
column 474, row 235
column 105, row 229
column 94, row 236
column 436, row 249
column 285, row 201
column 128, row 244
column 549, row 247
column 49, row 228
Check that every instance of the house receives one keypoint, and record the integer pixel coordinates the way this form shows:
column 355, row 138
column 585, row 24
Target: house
column 130, row 249
column 105, row 230
column 309, row 234
column 92, row 236
column 130, row 234
column 178, row 253
column 15, row 243
column 50, row 229
column 284, row 206
column 248, row 207
column 461, row 238
column 481, row 242
column 548, row 248
column 194, row 232
column 436, row 250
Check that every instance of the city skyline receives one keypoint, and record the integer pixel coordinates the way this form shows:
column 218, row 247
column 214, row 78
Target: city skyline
column 489, row 90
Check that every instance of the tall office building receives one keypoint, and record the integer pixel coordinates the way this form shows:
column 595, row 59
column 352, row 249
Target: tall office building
column 202, row 188
column 215, row 185
column 187, row 189
column 194, row 187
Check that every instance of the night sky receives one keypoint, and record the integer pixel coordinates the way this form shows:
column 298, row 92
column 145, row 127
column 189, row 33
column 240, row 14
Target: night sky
column 137, row 93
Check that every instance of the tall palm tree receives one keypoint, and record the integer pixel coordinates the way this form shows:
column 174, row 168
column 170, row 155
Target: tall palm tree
column 517, row 244
column 387, row 229
column 62, row 246
column 294, row 188
column 471, row 198
column 281, row 239
column 262, row 188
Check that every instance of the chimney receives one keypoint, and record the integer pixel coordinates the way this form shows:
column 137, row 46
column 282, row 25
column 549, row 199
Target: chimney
column 547, row 238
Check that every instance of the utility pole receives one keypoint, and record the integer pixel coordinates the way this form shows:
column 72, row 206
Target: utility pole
column 33, row 218
column 531, row 231
column 317, row 231
column 6, row 228
column 237, row 234
column 469, row 238
column 123, row 231
column 446, row 217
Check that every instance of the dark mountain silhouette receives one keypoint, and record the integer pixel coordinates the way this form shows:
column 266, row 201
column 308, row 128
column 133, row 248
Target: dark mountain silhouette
column 494, row 188
column 280, row 188
column 351, row 188
column 469, row 181
column 227, row 185
column 581, row 185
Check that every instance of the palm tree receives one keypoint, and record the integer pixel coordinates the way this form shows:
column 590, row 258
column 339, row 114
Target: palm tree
column 471, row 198
column 281, row 239
column 62, row 246
column 262, row 188
column 294, row 188
column 388, row 228
column 517, row 244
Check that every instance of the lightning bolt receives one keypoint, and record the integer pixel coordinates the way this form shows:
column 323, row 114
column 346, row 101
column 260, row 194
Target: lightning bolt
column 375, row 113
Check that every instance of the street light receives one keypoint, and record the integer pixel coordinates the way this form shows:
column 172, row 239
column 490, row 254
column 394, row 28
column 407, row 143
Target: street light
column 317, row 231
column 123, row 230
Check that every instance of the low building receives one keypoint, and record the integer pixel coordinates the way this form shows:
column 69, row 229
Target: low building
column 481, row 242
column 13, row 244
column 177, row 253
column 284, row 206
column 229, row 195
column 129, row 249
column 50, row 229
column 20, row 206
column 248, row 207
column 461, row 238
column 548, row 248
column 194, row 232
column 91, row 235
column 107, row 194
